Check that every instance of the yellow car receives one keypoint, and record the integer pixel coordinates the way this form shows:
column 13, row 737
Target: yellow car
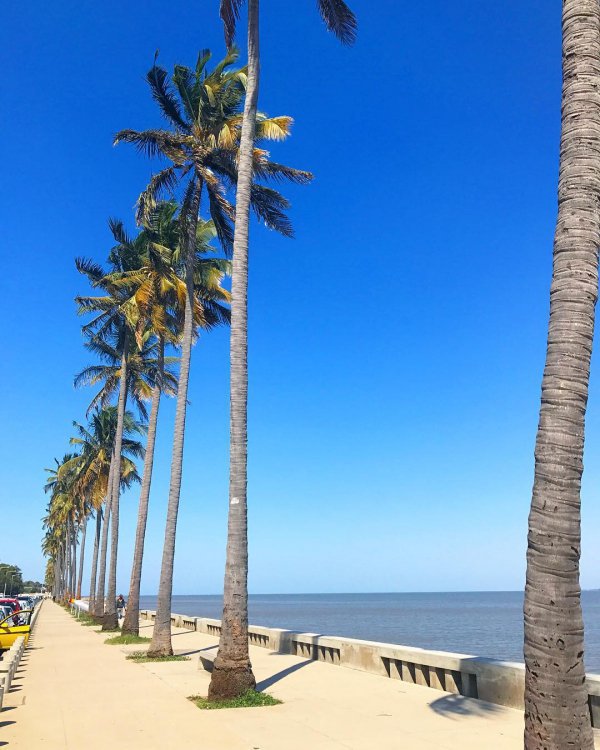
column 9, row 631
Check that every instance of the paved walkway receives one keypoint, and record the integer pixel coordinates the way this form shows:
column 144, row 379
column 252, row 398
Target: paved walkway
column 75, row 692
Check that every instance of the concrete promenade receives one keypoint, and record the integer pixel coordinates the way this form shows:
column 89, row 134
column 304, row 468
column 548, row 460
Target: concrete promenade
column 75, row 692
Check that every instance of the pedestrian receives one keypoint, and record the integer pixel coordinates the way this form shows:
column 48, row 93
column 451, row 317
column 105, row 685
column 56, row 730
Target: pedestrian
column 120, row 606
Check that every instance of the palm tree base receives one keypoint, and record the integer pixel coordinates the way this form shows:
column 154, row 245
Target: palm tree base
column 230, row 679
column 128, row 629
column 110, row 621
column 158, row 653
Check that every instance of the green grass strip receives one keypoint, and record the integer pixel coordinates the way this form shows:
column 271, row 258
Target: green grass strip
column 249, row 699
column 125, row 640
column 141, row 657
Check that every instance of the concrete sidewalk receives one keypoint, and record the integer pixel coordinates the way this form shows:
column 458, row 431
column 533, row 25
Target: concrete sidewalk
column 75, row 692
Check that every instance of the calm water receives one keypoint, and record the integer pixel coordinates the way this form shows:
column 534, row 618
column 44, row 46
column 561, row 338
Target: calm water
column 482, row 623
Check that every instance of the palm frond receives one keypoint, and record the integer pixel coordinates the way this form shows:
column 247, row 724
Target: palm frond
column 118, row 232
column 91, row 269
column 270, row 206
column 163, row 95
column 339, row 19
column 265, row 169
column 184, row 80
column 155, row 143
column 230, row 12
column 163, row 181
column 273, row 128
column 222, row 213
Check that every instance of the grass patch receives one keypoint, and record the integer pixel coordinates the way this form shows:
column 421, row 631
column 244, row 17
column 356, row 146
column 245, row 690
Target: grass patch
column 125, row 640
column 83, row 619
column 141, row 657
column 250, row 699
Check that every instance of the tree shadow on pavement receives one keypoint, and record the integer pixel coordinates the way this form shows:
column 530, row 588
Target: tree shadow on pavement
column 264, row 684
column 196, row 651
column 457, row 706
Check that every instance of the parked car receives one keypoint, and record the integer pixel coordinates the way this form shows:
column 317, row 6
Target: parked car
column 5, row 610
column 10, row 631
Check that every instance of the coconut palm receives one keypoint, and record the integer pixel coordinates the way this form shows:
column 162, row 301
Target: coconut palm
column 158, row 301
column 232, row 674
column 95, row 443
column 203, row 110
column 61, row 515
column 205, row 307
column 154, row 309
column 556, row 703
column 110, row 324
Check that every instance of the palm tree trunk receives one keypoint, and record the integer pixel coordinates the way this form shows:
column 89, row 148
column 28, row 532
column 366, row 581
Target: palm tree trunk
column 74, row 535
column 57, row 577
column 68, row 561
column 110, row 615
column 232, row 673
column 556, row 702
column 131, row 623
column 161, row 636
column 63, row 573
column 81, row 558
column 93, row 573
column 99, row 603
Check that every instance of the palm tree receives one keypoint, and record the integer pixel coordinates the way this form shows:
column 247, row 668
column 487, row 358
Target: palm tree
column 204, row 112
column 110, row 324
column 205, row 302
column 61, row 514
column 156, row 293
column 556, row 703
column 95, row 443
column 232, row 674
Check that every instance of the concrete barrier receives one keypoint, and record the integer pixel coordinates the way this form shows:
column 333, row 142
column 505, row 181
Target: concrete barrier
column 499, row 682
column 10, row 662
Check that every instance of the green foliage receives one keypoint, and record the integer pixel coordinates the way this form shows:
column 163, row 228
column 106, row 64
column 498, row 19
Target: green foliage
column 249, row 699
column 126, row 640
column 31, row 587
column 141, row 657
column 11, row 579
column 203, row 110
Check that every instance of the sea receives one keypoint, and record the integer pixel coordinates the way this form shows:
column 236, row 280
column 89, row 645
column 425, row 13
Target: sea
column 483, row 623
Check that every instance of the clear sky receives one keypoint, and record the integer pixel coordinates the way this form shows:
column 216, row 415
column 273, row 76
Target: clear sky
column 396, row 345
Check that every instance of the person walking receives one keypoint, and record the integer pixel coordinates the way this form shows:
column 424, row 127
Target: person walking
column 121, row 604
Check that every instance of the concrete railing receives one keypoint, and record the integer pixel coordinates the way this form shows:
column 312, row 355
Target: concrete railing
column 498, row 682
column 12, row 657
column 9, row 665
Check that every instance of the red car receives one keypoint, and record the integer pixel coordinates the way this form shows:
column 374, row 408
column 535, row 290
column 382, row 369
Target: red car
column 11, row 602
column 14, row 604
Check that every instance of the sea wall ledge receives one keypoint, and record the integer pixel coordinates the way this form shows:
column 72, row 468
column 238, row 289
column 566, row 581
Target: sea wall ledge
column 488, row 680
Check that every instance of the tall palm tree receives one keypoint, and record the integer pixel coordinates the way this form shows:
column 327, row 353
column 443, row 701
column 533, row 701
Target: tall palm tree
column 232, row 674
column 205, row 302
column 110, row 324
column 203, row 110
column 556, row 703
column 95, row 443
column 157, row 306
column 61, row 513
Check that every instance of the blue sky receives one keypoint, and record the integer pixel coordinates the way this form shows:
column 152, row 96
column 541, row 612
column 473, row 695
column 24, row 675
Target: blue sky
column 396, row 345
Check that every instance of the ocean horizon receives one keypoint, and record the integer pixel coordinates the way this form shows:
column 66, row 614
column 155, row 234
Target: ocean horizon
column 477, row 623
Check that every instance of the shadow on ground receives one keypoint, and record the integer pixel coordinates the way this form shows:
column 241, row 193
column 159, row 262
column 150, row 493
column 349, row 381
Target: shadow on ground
column 264, row 684
column 196, row 651
column 456, row 706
